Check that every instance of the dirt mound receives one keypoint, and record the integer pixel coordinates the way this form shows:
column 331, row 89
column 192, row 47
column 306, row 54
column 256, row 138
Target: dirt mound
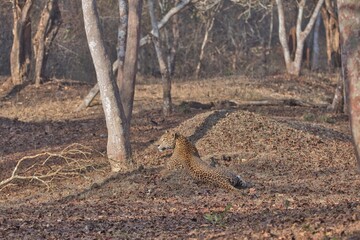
column 252, row 136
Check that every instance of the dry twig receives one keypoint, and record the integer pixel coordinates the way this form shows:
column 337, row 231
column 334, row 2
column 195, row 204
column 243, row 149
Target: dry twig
column 72, row 160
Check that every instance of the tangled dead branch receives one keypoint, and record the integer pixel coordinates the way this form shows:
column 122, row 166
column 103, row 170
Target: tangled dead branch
column 45, row 167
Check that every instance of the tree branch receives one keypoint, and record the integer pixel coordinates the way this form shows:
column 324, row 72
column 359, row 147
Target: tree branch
column 75, row 157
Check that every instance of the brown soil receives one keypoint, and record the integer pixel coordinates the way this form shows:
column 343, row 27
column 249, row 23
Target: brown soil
column 299, row 159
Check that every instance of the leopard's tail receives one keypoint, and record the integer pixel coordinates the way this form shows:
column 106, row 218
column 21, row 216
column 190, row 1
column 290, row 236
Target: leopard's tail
column 239, row 183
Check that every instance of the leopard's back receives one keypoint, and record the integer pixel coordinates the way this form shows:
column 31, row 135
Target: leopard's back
column 200, row 171
column 186, row 156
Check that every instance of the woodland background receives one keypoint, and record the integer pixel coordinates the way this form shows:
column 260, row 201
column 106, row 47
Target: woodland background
column 239, row 42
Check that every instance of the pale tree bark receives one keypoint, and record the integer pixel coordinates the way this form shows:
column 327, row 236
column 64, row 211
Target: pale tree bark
column 172, row 12
column 175, row 44
column 331, row 24
column 294, row 66
column 145, row 40
column 126, row 82
column 337, row 105
column 315, row 45
column 122, row 34
column 271, row 28
column 118, row 144
column 89, row 98
column 231, row 36
column 21, row 47
column 208, row 26
column 349, row 21
column 165, row 75
column 48, row 27
column 172, row 45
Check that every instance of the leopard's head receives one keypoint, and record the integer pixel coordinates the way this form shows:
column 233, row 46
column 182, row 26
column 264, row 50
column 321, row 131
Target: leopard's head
column 167, row 141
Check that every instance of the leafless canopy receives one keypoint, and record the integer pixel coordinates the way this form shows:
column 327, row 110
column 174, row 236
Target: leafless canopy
column 205, row 5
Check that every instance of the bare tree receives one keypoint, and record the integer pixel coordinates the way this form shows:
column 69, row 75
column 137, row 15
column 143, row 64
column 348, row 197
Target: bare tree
column 349, row 20
column 209, row 23
column 48, row 27
column 117, row 109
column 145, row 40
column 165, row 74
column 171, row 43
column 294, row 66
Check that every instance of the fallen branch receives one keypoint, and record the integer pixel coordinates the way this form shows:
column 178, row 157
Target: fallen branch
column 276, row 102
column 226, row 104
column 72, row 160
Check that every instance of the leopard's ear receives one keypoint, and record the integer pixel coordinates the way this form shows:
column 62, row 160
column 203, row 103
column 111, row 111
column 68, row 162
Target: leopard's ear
column 176, row 135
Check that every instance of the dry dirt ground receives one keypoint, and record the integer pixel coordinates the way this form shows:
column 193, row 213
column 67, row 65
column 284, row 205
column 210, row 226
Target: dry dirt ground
column 299, row 159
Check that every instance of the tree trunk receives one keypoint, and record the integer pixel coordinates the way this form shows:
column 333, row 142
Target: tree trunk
column 271, row 28
column 294, row 67
column 349, row 21
column 331, row 24
column 118, row 150
column 337, row 105
column 127, row 80
column 122, row 34
column 21, row 48
column 174, row 45
column 315, row 45
column 208, row 26
column 49, row 25
column 88, row 99
column 165, row 75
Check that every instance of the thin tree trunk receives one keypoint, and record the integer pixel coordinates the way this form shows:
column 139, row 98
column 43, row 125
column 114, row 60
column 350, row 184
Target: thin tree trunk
column 122, row 34
column 271, row 25
column 331, row 24
column 118, row 150
column 316, row 46
column 49, row 25
column 349, row 21
column 127, row 82
column 230, row 33
column 165, row 76
column 173, row 46
column 208, row 26
column 337, row 105
column 89, row 98
column 282, row 34
column 326, row 20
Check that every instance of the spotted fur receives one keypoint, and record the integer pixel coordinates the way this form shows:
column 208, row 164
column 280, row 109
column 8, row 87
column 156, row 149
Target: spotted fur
column 186, row 156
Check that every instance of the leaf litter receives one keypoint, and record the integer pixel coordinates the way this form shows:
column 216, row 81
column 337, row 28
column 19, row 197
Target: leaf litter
column 305, row 184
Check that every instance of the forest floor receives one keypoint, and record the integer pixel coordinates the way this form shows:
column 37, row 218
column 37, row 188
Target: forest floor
column 298, row 157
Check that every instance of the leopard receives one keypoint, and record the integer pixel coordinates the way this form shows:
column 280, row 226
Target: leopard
column 186, row 156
